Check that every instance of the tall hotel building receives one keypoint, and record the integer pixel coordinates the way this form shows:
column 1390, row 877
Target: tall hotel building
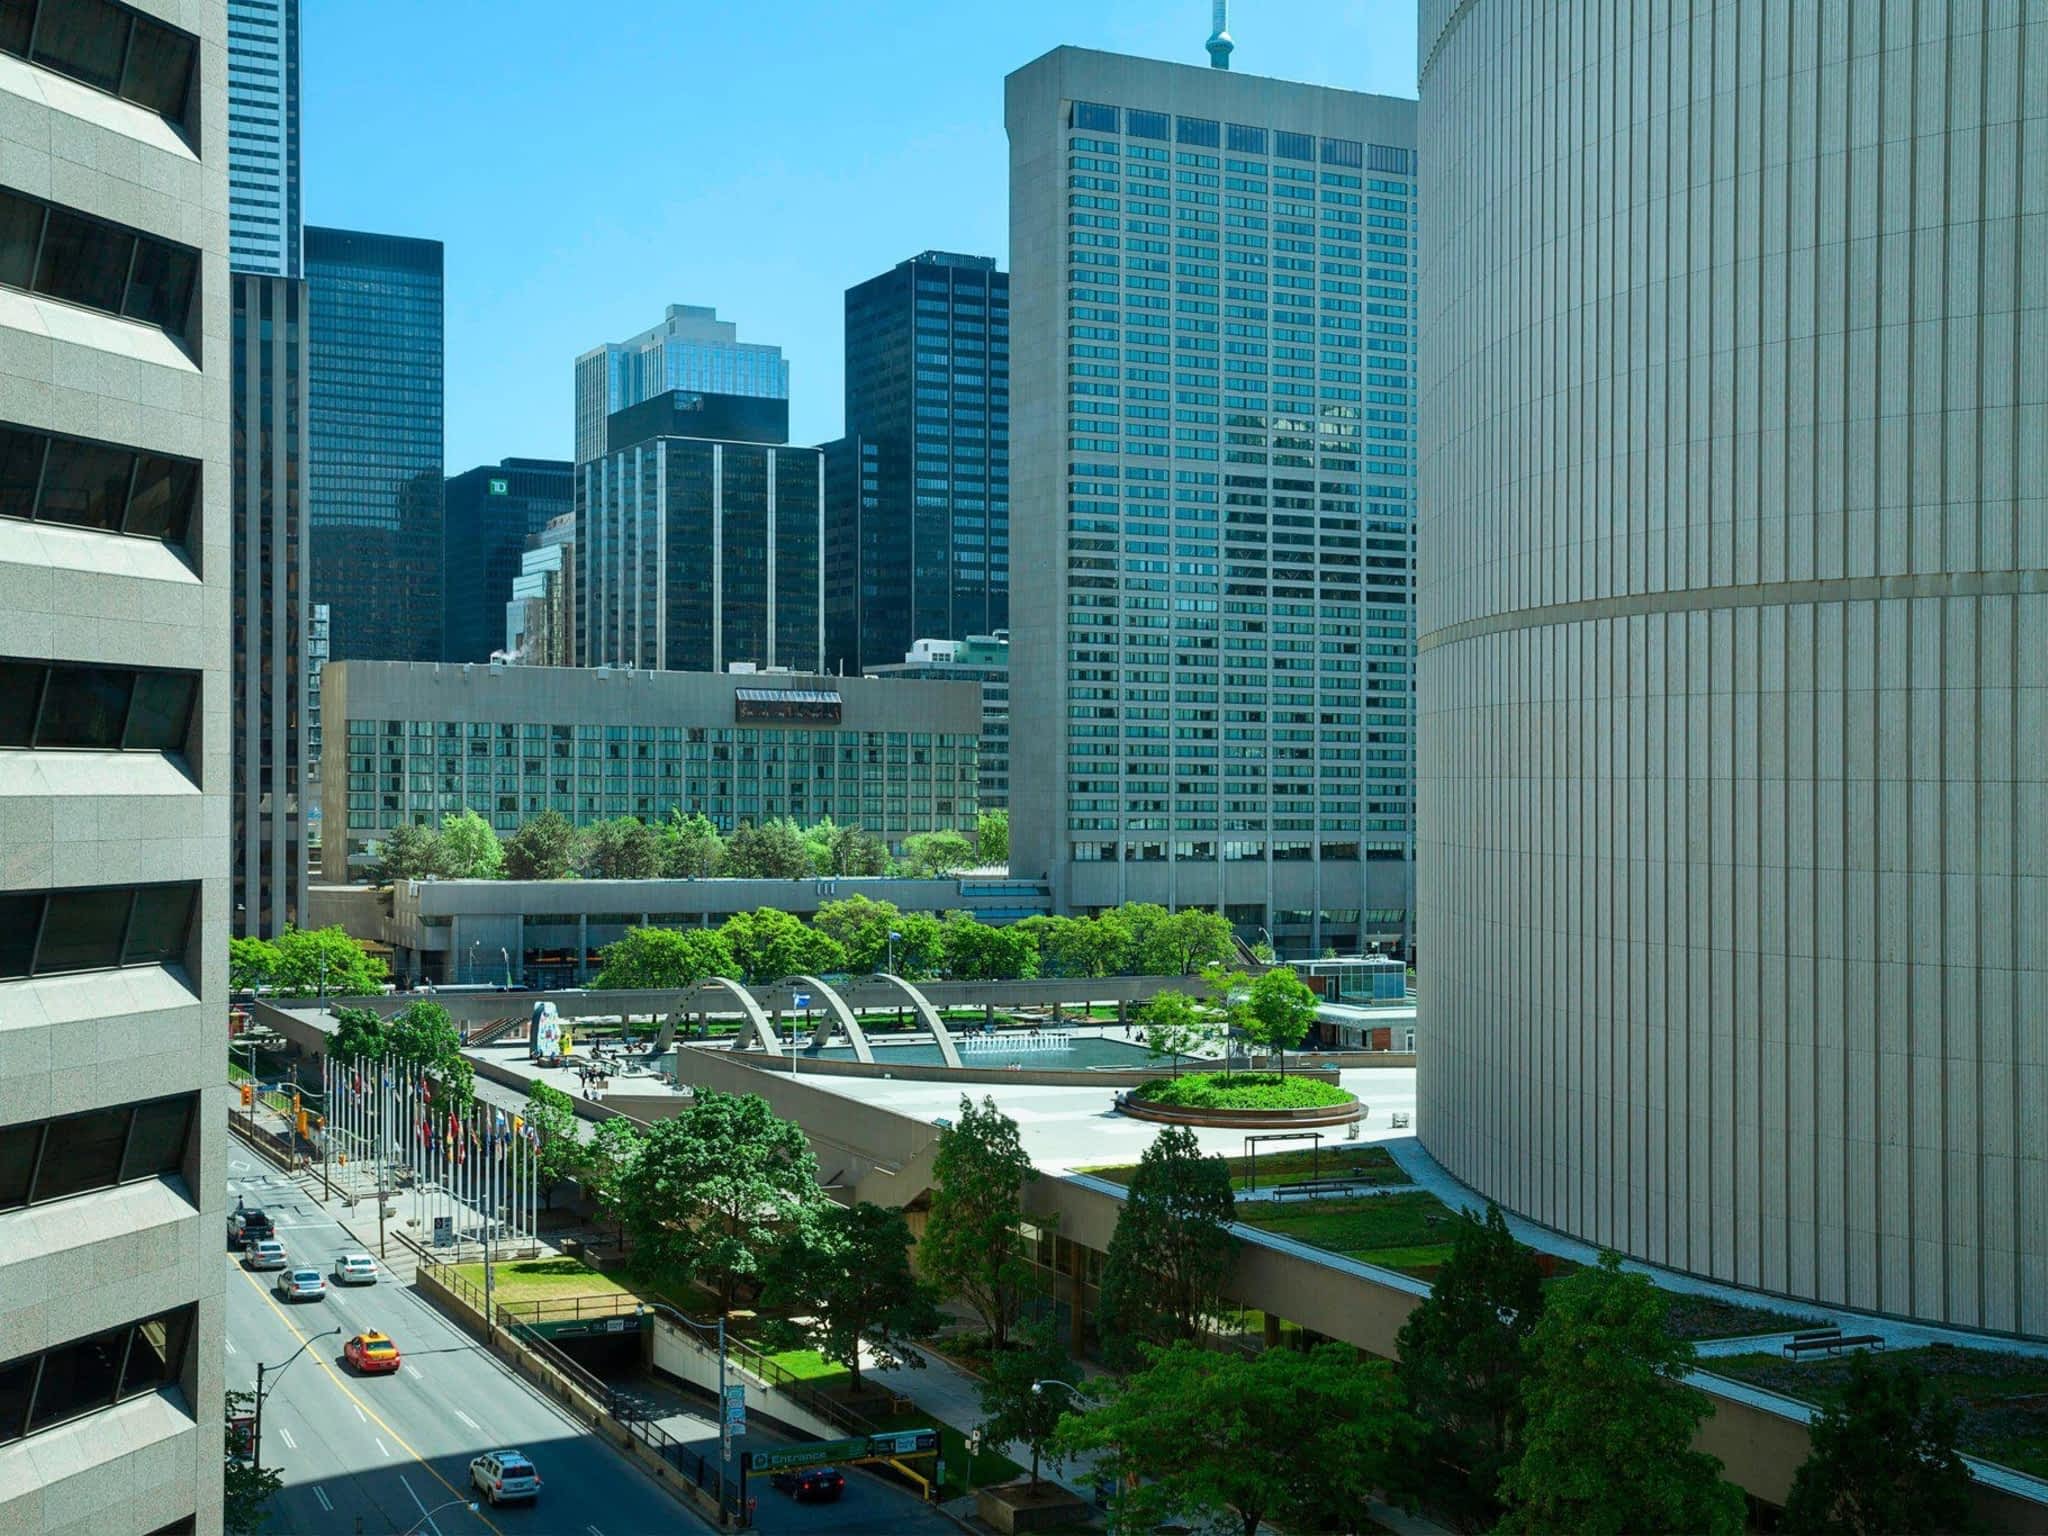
column 1212, row 343
column 1735, row 639
column 114, row 618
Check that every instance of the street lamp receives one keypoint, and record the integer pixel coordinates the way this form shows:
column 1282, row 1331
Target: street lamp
column 426, row 1515
column 275, row 1372
column 724, row 1432
column 894, row 936
column 323, row 978
column 1038, row 1388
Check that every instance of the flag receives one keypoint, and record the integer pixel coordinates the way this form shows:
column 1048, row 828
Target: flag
column 355, row 1082
column 427, row 1089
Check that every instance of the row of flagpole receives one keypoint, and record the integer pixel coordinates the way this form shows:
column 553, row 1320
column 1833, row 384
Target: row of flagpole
column 470, row 1168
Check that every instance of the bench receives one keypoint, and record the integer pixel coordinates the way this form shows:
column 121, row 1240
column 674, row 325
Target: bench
column 1315, row 1187
column 1830, row 1341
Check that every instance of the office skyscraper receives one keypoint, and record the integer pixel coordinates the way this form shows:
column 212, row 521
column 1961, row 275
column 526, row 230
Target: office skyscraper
column 490, row 513
column 691, row 349
column 1735, row 683
column 377, row 474
column 114, row 562
column 699, row 539
column 1212, row 471
column 269, row 516
column 917, row 494
column 264, row 209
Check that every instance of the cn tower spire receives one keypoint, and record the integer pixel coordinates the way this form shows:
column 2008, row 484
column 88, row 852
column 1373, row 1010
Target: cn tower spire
column 1219, row 43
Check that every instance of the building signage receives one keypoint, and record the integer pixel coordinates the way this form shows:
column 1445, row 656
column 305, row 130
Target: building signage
column 814, row 1453
column 500, row 487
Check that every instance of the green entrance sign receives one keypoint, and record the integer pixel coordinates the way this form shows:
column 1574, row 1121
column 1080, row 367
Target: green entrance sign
column 501, row 487
column 821, row 1453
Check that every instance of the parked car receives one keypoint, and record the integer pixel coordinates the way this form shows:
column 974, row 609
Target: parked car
column 268, row 1253
column 354, row 1269
column 246, row 1225
column 371, row 1354
column 820, row 1485
column 503, row 1475
column 301, row 1285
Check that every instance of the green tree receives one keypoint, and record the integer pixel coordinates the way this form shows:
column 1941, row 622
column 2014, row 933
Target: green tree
column 424, row 1034
column 842, row 1279
column 767, row 945
column 861, row 927
column 359, row 1035
column 251, row 964
column 543, row 849
column 248, row 1489
column 818, row 844
column 410, row 852
column 1883, row 1460
column 937, row 855
column 855, row 851
column 1302, row 1436
column 977, row 951
column 470, row 849
column 1181, row 943
column 1280, row 1007
column 1464, row 1354
column 663, row 958
column 1171, row 1253
column 992, row 838
column 325, row 962
column 971, row 1246
column 1173, row 1026
column 553, row 1113
column 714, row 1188
column 772, row 851
column 1606, row 1442
column 624, row 848
column 691, row 848
column 607, row 1167
column 1011, row 1408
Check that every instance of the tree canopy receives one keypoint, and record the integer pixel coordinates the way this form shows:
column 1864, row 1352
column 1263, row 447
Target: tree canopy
column 553, row 1113
column 470, row 849
column 971, row 1247
column 691, row 847
column 542, row 849
column 977, row 951
column 861, row 927
column 1011, row 1409
column 767, row 945
column 607, row 1166
column 664, row 958
column 992, row 838
column 841, row 1277
column 325, row 962
column 1883, row 1459
column 622, row 848
column 1171, row 1253
column 1280, row 1010
column 1606, row 1442
column 1173, row 1026
column 774, row 850
column 409, row 852
column 251, row 964
column 854, row 850
column 714, row 1188
column 935, row 855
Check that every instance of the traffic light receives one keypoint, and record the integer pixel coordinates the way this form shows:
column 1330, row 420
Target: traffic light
column 248, row 1095
column 302, row 1122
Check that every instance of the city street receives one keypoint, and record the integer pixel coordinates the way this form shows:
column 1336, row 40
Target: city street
column 375, row 1455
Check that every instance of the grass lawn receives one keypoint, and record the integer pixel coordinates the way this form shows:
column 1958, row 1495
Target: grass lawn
column 1240, row 1090
column 1366, row 1164
column 2003, row 1397
column 1365, row 1228
column 542, row 1279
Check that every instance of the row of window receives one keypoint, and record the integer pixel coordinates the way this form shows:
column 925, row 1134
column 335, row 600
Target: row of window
column 1206, row 133
column 51, row 705
column 85, row 484
column 47, row 933
column 63, row 254
column 89, row 1374
column 110, row 48
column 52, row 1159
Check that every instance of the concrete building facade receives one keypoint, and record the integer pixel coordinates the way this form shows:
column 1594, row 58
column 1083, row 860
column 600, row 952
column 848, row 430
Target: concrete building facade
column 982, row 659
column 424, row 742
column 1212, row 477
column 1734, row 635
column 115, row 554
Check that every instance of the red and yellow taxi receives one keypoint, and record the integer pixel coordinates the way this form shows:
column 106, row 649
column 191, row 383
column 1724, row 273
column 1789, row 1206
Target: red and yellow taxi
column 371, row 1353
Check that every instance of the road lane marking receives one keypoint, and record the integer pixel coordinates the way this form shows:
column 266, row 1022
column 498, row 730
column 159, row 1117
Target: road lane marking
column 426, row 1516
column 359, row 1411
column 381, row 1445
column 325, row 1502
column 329, row 1371
column 286, row 1435
column 472, row 1423
column 231, row 1346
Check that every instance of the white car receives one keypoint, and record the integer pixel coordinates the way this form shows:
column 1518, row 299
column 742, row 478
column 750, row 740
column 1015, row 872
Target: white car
column 355, row 1269
column 502, row 1475
column 301, row 1285
column 268, row 1253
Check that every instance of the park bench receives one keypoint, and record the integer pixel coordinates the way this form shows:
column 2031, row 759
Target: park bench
column 1829, row 1341
column 1315, row 1187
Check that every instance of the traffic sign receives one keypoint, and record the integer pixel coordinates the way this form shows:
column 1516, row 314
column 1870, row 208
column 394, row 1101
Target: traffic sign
column 800, row 1000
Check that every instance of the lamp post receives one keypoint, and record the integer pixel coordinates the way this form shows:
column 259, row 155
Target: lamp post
column 323, row 979
column 472, row 957
column 724, row 1434
column 427, row 1515
column 506, row 956
column 275, row 1372
column 894, row 936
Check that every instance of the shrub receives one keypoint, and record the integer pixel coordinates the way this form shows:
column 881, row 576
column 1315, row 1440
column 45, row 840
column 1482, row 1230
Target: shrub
column 1244, row 1090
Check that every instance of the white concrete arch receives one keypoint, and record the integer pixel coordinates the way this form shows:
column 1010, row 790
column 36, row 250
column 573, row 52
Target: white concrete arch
column 927, row 1015
column 764, row 1032
column 835, row 1009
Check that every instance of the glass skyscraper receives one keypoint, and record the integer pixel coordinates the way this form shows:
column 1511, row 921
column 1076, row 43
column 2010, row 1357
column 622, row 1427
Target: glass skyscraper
column 376, row 418
column 691, row 349
column 1213, row 469
column 918, row 491
column 489, row 514
column 264, row 212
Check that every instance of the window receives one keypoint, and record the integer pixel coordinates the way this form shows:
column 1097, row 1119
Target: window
column 66, row 255
column 1251, row 141
column 46, row 933
column 92, row 1373
column 52, row 705
column 1294, row 146
column 1146, row 125
column 51, row 479
column 1090, row 114
column 108, row 47
column 1198, row 130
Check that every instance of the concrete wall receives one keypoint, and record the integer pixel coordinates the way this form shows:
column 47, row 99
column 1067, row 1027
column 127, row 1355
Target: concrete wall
column 1734, row 672
column 91, row 818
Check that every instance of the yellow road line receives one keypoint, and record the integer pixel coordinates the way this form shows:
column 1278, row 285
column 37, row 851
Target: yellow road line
column 427, row 1466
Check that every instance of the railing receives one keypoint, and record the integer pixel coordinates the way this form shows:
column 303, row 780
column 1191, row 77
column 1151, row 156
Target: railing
column 496, row 1030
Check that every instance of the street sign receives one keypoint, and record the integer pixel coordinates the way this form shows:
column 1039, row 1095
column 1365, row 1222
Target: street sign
column 444, row 1231
column 800, row 1000
column 735, row 1417
column 242, row 1435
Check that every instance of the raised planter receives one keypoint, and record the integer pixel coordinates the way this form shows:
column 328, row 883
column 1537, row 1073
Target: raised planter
column 1018, row 1506
column 1248, row 1119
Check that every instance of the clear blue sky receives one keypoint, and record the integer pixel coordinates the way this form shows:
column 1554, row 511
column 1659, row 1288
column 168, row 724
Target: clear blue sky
column 587, row 164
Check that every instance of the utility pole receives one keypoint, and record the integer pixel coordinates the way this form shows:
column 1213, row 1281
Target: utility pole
column 261, row 1369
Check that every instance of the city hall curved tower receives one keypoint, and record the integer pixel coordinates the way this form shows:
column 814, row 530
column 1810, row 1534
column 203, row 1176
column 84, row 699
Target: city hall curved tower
column 1733, row 848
